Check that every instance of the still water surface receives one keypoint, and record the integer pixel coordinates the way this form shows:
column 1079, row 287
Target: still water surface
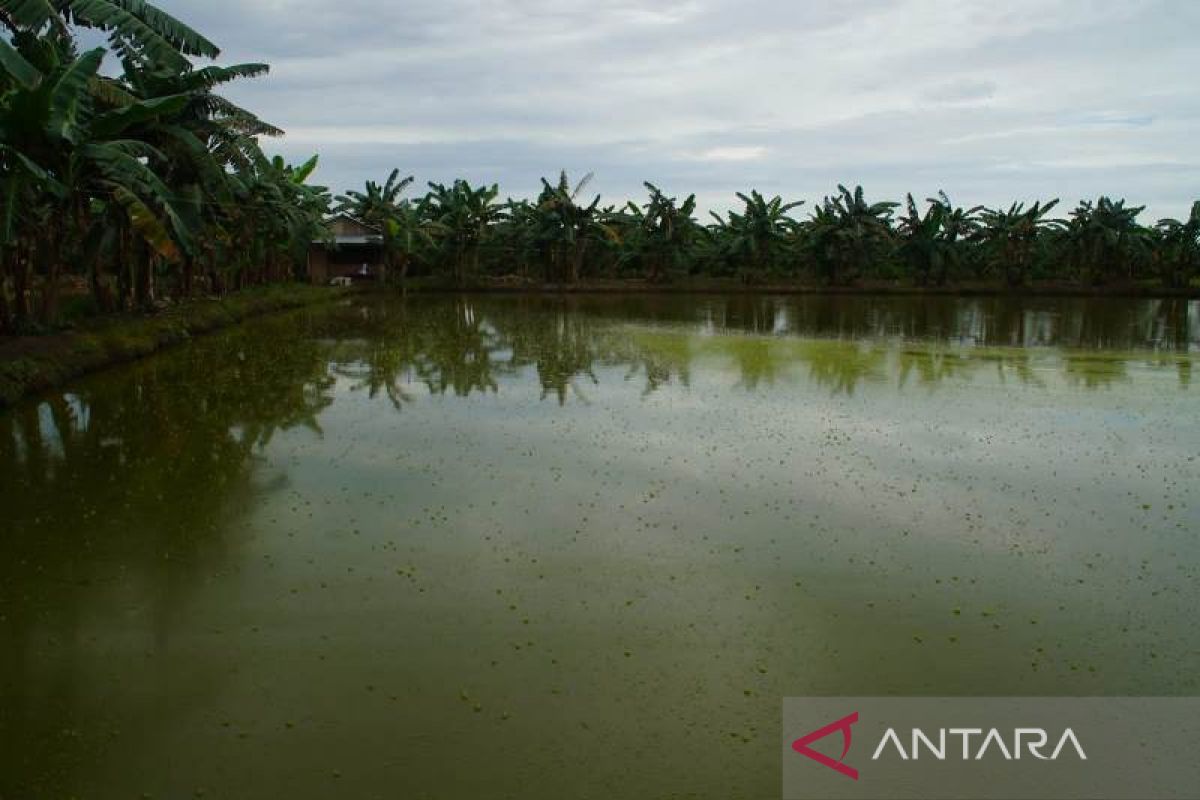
column 474, row 547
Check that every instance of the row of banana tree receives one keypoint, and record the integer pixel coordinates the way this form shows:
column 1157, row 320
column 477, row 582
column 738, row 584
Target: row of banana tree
column 126, row 176
column 125, row 173
column 563, row 236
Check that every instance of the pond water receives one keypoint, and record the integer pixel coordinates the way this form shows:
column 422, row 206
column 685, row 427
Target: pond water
column 539, row 547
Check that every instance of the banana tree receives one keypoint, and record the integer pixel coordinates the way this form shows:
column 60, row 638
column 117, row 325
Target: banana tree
column 461, row 217
column 1179, row 248
column 754, row 239
column 409, row 232
column 516, row 240
column 304, row 209
column 1104, row 240
column 63, row 126
column 136, row 29
column 565, row 227
column 209, row 149
column 662, row 232
column 1011, row 237
column 847, row 235
column 380, row 207
column 932, row 245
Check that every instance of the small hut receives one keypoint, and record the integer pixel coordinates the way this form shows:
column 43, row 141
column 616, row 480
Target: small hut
column 354, row 251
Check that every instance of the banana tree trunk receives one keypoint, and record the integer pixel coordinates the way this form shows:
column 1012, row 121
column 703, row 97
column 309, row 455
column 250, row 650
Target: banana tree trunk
column 577, row 253
column 5, row 311
column 96, row 283
column 1015, row 265
column 214, row 277
column 21, row 280
column 49, row 254
column 141, row 282
column 124, row 271
column 188, row 272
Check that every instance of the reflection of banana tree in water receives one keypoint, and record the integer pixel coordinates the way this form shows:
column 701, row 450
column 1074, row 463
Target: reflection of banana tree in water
column 566, row 353
column 1106, row 323
column 933, row 366
column 1176, row 327
column 1094, row 370
column 380, row 367
column 922, row 321
column 457, row 352
column 468, row 346
column 382, row 354
column 763, row 361
column 1184, row 368
column 1162, row 360
column 758, row 360
column 1015, row 362
column 748, row 314
column 841, row 366
column 661, row 357
column 99, row 485
column 1013, row 325
column 1169, row 323
column 560, row 344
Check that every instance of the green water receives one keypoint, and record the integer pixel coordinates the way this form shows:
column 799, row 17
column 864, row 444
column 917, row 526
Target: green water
column 539, row 548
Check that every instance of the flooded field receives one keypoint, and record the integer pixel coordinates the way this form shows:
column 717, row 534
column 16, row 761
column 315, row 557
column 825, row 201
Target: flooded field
column 523, row 547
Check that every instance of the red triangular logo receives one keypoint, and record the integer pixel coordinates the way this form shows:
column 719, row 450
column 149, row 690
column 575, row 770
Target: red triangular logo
column 801, row 745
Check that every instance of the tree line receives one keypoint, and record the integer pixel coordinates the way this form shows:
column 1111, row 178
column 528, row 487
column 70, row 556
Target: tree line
column 125, row 176
column 561, row 236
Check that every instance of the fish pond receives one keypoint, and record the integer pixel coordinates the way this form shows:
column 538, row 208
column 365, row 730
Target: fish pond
column 547, row 547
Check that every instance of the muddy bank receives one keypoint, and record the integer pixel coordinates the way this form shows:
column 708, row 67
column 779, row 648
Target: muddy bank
column 30, row 364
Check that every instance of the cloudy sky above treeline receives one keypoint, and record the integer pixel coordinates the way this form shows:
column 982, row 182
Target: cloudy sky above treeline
column 990, row 101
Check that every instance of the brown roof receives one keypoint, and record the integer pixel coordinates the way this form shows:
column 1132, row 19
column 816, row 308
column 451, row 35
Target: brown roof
column 346, row 225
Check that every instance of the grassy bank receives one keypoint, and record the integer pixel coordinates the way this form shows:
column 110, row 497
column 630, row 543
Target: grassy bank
column 719, row 285
column 32, row 363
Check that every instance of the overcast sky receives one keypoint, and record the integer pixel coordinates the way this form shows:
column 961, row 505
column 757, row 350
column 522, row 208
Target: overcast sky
column 992, row 101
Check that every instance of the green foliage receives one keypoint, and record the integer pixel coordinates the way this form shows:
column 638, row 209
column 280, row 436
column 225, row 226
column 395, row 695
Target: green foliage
column 458, row 230
column 142, row 180
column 755, row 240
column 1104, row 241
column 562, row 228
column 847, row 235
column 931, row 246
column 17, row 68
column 1177, row 249
column 145, row 180
column 662, row 234
column 463, row 217
column 1011, row 237
column 136, row 29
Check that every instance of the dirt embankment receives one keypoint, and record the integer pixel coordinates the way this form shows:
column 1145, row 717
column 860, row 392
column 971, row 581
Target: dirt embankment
column 30, row 364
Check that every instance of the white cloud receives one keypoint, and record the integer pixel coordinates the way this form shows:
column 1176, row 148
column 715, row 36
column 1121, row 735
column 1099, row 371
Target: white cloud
column 731, row 153
column 1074, row 97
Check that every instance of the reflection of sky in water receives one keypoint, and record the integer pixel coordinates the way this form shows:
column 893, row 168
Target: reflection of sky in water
column 331, row 552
